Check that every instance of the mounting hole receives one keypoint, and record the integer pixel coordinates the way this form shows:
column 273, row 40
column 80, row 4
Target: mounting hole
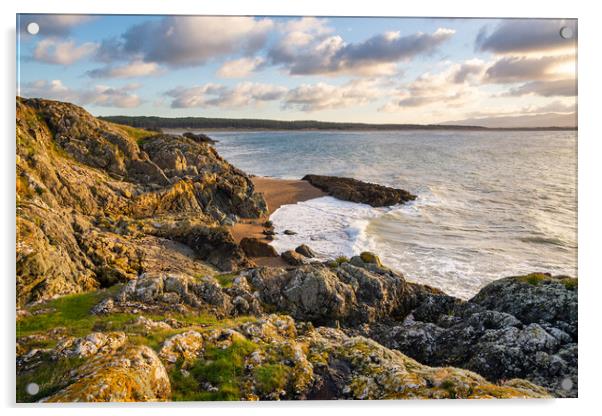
column 566, row 32
column 32, row 389
column 566, row 384
column 33, row 28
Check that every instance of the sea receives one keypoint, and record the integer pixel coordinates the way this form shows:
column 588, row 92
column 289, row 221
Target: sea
column 489, row 204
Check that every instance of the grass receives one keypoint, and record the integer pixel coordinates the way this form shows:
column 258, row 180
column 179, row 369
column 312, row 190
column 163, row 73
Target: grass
column 222, row 368
column 135, row 133
column 537, row 278
column 226, row 279
column 534, row 278
column 72, row 312
column 342, row 259
column 271, row 378
column 50, row 376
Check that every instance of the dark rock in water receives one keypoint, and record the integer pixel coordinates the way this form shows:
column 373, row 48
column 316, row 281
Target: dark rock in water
column 306, row 251
column 517, row 327
column 200, row 138
column 254, row 247
column 290, row 232
column 349, row 189
column 268, row 232
column 293, row 258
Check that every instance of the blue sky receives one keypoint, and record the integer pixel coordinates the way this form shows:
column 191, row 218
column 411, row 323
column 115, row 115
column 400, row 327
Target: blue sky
column 375, row 70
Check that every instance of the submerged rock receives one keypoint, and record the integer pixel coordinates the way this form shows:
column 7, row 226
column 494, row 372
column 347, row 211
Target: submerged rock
column 349, row 189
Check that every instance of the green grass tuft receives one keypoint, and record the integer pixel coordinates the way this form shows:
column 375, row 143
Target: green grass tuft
column 50, row 376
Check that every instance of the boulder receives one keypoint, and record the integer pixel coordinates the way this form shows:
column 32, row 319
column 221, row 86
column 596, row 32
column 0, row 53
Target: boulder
column 293, row 258
column 253, row 247
column 305, row 251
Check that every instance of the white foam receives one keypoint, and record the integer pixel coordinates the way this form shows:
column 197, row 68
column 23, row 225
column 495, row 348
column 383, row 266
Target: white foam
column 331, row 227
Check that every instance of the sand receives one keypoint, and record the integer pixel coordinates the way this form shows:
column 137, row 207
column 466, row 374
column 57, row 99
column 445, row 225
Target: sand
column 277, row 192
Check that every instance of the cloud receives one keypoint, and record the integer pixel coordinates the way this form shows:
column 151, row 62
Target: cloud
column 99, row 95
column 454, row 86
column 513, row 69
column 563, row 87
column 321, row 96
column 240, row 68
column 136, row 68
column 216, row 95
column 308, row 47
column 56, row 52
column 53, row 24
column 181, row 41
column 527, row 35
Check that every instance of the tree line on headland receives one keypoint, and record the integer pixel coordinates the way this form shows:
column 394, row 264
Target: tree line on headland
column 158, row 123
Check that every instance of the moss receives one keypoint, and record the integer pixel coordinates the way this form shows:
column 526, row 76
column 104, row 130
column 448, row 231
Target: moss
column 271, row 378
column 50, row 376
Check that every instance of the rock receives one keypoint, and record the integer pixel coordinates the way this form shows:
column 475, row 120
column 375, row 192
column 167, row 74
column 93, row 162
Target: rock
column 254, row 247
column 103, row 307
column 523, row 327
column 349, row 189
column 135, row 373
column 94, row 343
column 185, row 347
column 200, row 138
column 305, row 251
column 87, row 190
column 293, row 258
column 289, row 232
column 345, row 293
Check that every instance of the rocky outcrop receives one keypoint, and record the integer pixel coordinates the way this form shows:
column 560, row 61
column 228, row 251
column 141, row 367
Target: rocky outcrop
column 199, row 138
column 274, row 358
column 349, row 189
column 517, row 327
column 293, row 258
column 347, row 294
column 95, row 200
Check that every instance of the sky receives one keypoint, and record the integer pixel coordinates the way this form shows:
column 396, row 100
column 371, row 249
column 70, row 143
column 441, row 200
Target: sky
column 496, row 73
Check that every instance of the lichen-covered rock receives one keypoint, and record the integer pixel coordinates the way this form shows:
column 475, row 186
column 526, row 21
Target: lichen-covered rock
column 517, row 327
column 94, row 200
column 134, row 373
column 347, row 293
column 349, row 189
column 273, row 358
column 185, row 347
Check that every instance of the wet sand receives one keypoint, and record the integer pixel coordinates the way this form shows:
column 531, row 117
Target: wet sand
column 277, row 192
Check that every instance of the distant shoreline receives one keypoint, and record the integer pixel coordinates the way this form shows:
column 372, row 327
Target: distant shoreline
column 223, row 124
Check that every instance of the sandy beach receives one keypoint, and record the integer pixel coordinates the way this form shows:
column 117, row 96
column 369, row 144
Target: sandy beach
column 277, row 192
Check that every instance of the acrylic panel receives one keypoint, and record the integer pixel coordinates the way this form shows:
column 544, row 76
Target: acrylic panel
column 295, row 208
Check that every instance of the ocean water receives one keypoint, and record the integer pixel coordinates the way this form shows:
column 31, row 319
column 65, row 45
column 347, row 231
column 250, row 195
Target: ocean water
column 490, row 204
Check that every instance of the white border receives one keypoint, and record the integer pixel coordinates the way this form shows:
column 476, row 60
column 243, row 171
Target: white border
column 590, row 200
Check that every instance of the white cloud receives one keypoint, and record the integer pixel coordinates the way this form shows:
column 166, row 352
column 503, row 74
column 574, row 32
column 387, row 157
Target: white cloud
column 239, row 68
column 56, row 52
column 136, row 68
column 320, row 96
column 181, row 41
column 99, row 95
column 308, row 47
column 216, row 95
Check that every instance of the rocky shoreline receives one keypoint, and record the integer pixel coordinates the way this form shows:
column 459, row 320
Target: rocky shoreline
column 132, row 287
